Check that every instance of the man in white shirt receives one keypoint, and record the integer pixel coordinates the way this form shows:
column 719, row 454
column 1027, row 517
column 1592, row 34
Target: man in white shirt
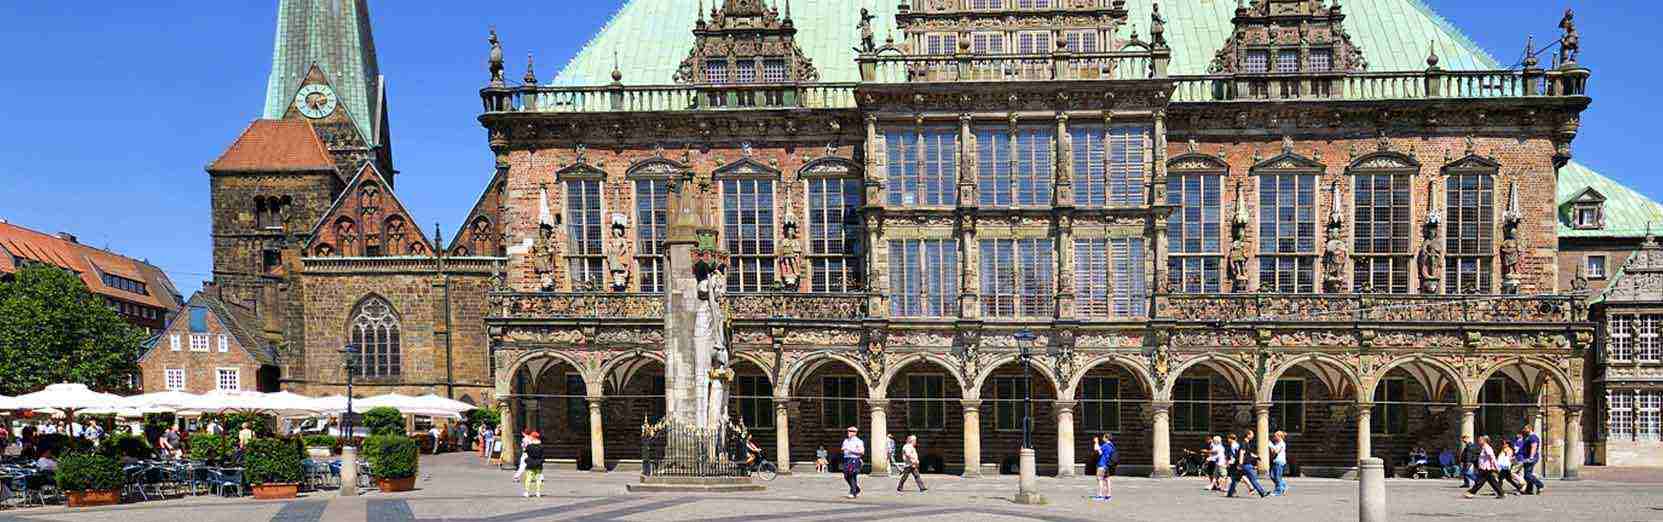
column 434, row 433
column 909, row 456
column 853, row 451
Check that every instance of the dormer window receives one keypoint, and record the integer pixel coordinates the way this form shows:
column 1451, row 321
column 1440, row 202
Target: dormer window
column 1589, row 216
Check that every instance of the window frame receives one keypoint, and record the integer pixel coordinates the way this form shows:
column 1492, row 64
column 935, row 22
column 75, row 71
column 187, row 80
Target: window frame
column 1476, row 260
column 1399, row 227
column 1385, row 411
column 168, row 375
column 1104, row 408
column 585, row 228
column 750, row 224
column 1186, row 410
column 652, row 217
column 1206, row 258
column 1596, row 270
column 829, row 404
column 922, row 167
column 1002, row 294
column 1302, row 256
column 823, row 258
column 200, row 342
column 376, row 328
column 236, row 378
column 1280, row 409
column 937, row 283
column 760, row 406
column 920, row 405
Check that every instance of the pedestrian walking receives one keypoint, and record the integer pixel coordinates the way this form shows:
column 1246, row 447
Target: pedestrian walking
column 909, row 459
column 1232, row 465
column 1107, row 460
column 1279, row 462
column 531, row 466
column 1530, row 454
column 1247, row 457
column 1504, row 467
column 853, row 451
column 1218, row 464
column 1487, row 470
column 1468, row 456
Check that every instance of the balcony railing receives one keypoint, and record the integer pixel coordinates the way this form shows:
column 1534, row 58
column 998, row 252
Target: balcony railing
column 900, row 68
column 1378, row 86
column 550, row 305
column 790, row 305
column 1368, row 308
column 954, row 6
column 665, row 98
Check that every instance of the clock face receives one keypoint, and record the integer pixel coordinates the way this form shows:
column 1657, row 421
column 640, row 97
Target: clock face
column 315, row 101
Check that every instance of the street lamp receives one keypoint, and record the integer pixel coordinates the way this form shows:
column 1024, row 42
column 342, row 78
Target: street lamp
column 1025, row 340
column 349, row 452
column 351, row 361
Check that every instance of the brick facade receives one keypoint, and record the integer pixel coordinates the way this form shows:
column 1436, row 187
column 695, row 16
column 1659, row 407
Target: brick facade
column 222, row 349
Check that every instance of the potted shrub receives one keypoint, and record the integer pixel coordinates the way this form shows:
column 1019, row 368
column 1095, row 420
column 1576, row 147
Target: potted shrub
column 212, row 449
column 320, row 446
column 89, row 479
column 393, row 462
column 272, row 468
column 125, row 446
column 384, row 421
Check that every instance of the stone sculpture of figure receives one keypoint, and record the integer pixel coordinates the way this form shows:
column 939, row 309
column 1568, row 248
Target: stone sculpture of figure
column 617, row 259
column 1335, row 256
column 1238, row 266
column 1430, row 261
column 1570, row 43
column 1579, row 283
column 1511, row 255
column 867, row 42
column 710, row 339
column 542, row 257
column 790, row 257
column 496, row 58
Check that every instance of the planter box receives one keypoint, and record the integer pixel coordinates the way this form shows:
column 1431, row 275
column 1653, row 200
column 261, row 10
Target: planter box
column 320, row 452
column 396, row 485
column 94, row 498
column 276, row 491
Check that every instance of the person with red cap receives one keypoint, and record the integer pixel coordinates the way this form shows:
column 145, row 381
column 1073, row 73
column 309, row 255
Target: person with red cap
column 531, row 465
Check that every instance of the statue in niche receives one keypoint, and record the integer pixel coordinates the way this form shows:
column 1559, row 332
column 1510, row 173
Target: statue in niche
column 1511, row 255
column 1336, row 254
column 1238, row 250
column 1430, row 261
column 618, row 260
column 542, row 257
column 790, row 257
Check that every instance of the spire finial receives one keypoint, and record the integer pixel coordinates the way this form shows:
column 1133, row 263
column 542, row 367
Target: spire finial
column 1530, row 61
column 617, row 75
column 438, row 240
column 1432, row 54
column 788, row 11
column 530, row 73
column 496, row 57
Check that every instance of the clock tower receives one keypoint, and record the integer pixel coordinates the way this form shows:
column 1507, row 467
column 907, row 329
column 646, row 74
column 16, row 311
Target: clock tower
column 324, row 69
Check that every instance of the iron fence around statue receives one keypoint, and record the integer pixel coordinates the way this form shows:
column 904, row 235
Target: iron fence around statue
column 675, row 448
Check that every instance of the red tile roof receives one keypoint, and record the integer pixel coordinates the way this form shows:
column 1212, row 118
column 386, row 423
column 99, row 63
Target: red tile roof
column 275, row 145
column 89, row 263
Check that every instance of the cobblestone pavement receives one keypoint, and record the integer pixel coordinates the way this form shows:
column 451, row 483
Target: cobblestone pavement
column 458, row 487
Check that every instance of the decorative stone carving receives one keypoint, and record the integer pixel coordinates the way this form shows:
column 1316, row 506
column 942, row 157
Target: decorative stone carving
column 822, row 337
column 1570, row 42
column 1336, row 255
column 496, row 59
column 1239, row 273
column 1512, row 253
column 619, row 257
column 790, row 257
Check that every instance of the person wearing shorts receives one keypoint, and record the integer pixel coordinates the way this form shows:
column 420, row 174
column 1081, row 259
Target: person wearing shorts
column 1107, row 461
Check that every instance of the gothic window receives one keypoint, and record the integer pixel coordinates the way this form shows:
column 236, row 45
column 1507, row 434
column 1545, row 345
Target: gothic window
column 748, row 230
column 1193, row 234
column 941, row 43
column 1109, row 278
column 1287, row 232
column 583, row 227
column 716, row 71
column 833, row 233
column 1383, row 225
column 375, row 332
column 651, row 217
column 923, row 168
column 1319, row 60
column 1100, row 404
column 1017, row 277
column 1390, row 412
column 1287, row 405
column 1256, row 62
column 1470, row 241
column 1022, row 180
column 1192, row 406
column 923, row 277
column 773, row 71
column 926, row 407
column 1287, row 61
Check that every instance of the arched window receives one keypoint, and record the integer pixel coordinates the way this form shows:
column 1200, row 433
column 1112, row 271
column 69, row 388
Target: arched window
column 374, row 331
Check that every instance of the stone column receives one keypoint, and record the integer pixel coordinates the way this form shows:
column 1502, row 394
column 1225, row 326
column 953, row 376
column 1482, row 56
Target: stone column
column 877, row 451
column 1364, row 412
column 597, row 436
column 1163, row 439
column 1261, row 435
column 1468, row 426
column 1573, row 443
column 782, row 436
column 972, row 438
column 510, row 433
column 1065, row 438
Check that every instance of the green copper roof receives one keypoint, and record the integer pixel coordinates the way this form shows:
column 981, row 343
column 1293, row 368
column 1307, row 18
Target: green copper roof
column 1627, row 213
column 651, row 37
column 335, row 36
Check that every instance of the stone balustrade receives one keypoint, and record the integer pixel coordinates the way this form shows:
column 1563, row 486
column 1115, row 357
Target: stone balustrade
column 1407, row 85
column 789, row 305
column 1383, row 308
column 562, row 305
column 893, row 67
column 666, row 98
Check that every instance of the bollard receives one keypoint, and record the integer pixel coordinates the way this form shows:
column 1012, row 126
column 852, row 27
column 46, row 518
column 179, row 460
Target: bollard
column 1371, row 490
column 349, row 471
column 1027, row 486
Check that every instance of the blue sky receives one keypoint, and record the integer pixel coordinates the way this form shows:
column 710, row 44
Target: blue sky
column 111, row 109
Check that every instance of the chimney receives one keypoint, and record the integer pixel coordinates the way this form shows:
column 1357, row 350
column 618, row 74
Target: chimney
column 68, row 237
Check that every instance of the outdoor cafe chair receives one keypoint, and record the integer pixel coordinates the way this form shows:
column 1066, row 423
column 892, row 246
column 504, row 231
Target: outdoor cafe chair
column 222, row 479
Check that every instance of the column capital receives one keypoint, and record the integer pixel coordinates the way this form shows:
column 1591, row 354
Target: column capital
column 784, row 401
column 595, row 401
column 1261, row 408
column 1066, row 405
column 1160, row 406
column 877, row 404
column 1363, row 408
column 1468, row 409
column 1571, row 409
column 970, row 404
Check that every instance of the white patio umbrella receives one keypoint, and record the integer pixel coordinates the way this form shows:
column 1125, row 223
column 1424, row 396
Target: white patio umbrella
column 68, row 397
column 219, row 401
column 8, row 404
column 448, row 404
column 405, row 404
column 161, row 402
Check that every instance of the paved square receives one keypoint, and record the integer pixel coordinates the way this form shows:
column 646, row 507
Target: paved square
column 458, row 487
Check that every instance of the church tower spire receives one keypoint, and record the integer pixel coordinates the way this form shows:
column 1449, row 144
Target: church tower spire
column 334, row 36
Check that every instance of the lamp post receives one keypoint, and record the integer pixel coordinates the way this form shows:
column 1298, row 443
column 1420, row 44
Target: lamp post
column 349, row 452
column 1027, row 491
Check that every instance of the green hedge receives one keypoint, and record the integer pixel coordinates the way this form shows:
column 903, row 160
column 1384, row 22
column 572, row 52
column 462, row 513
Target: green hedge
column 88, row 472
column 481, row 418
column 384, row 421
column 125, row 445
column 213, row 449
column 273, row 461
column 261, row 424
column 321, row 441
column 392, row 456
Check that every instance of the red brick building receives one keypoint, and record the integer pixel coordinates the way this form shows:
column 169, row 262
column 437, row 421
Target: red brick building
column 209, row 346
column 136, row 290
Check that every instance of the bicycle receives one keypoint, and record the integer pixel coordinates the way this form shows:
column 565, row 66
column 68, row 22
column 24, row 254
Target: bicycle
column 764, row 469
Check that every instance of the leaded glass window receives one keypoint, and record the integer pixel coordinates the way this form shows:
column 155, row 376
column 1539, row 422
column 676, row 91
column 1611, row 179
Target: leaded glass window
column 923, row 277
column 1193, row 233
column 1470, row 241
column 1109, row 166
column 1619, row 342
column 584, row 229
column 923, row 167
column 1016, row 277
column 1109, row 278
column 1319, row 60
column 926, row 405
column 652, row 216
column 773, row 71
column 716, row 71
column 1014, row 172
column 1287, row 61
column 1256, row 62
column 834, row 233
column 1619, row 415
column 1287, row 232
column 748, row 233
column 941, row 43
column 746, row 71
column 1100, row 404
column 1383, row 225
column 375, row 333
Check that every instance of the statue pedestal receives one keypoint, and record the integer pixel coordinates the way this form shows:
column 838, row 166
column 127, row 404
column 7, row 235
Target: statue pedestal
column 694, row 485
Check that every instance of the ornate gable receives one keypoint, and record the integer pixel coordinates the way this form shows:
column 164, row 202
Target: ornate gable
column 1288, row 36
column 744, row 42
column 367, row 220
column 482, row 233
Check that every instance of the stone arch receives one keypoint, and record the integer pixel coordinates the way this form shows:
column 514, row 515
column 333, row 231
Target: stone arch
column 525, row 360
column 1240, row 377
column 1441, row 368
column 755, row 358
column 618, row 361
column 1131, row 364
column 1335, row 375
column 830, row 166
column 896, row 366
column 1384, row 160
column 1569, row 394
column 806, row 365
column 992, row 365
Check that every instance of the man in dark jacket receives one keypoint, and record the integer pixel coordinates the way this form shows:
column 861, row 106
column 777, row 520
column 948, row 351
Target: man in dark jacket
column 1469, row 461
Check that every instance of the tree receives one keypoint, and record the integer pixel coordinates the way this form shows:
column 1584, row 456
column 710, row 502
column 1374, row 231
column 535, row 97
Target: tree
column 53, row 330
